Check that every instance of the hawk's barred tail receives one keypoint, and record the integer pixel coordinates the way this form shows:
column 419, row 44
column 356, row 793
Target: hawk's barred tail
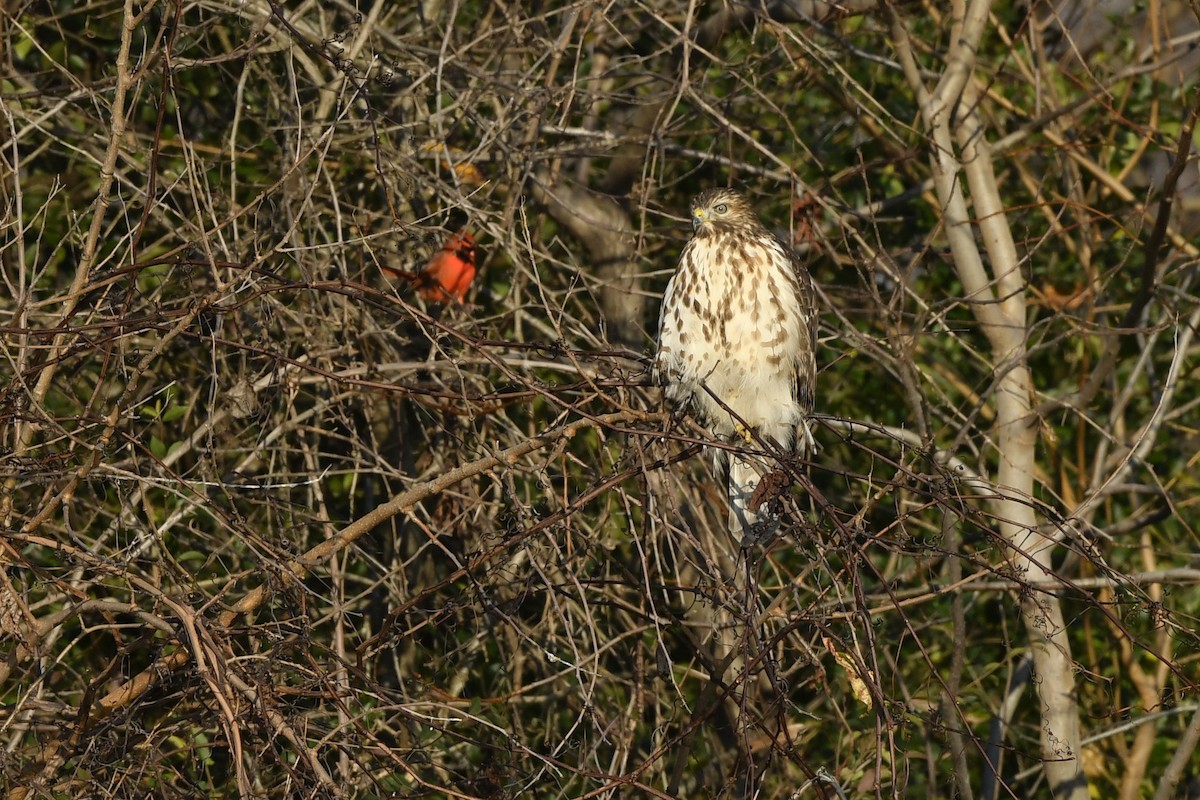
column 744, row 477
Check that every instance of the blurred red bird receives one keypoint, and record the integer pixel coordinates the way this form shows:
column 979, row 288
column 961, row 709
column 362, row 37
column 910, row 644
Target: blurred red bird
column 448, row 274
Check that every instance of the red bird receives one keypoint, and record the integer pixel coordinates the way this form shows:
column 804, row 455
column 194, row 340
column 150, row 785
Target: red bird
column 448, row 274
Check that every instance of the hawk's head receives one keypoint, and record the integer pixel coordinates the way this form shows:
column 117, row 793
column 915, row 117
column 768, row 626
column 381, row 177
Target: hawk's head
column 721, row 210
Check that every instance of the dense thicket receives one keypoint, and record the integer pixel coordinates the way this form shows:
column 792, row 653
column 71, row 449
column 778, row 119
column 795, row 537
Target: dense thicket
column 274, row 525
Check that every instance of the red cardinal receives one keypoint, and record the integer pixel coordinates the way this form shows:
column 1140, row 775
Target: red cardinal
column 448, row 274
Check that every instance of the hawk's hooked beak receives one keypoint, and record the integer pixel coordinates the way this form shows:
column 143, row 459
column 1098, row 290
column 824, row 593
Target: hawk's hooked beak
column 697, row 219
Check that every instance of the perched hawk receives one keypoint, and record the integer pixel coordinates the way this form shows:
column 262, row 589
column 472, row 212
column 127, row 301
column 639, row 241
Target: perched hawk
column 737, row 337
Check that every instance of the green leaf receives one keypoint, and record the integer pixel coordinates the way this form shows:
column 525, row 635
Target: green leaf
column 22, row 47
column 173, row 413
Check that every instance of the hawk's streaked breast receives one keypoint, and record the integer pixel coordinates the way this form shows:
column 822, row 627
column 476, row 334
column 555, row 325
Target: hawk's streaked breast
column 738, row 318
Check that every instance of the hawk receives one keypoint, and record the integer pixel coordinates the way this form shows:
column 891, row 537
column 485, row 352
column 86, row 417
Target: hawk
column 737, row 338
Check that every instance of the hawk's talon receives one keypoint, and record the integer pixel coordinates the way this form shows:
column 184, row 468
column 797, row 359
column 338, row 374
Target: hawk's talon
column 743, row 433
column 760, row 533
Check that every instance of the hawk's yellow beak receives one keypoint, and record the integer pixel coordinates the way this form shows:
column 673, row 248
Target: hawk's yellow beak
column 697, row 218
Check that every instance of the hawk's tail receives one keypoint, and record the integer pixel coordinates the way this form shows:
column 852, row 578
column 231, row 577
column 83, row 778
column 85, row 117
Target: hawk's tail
column 744, row 477
column 745, row 474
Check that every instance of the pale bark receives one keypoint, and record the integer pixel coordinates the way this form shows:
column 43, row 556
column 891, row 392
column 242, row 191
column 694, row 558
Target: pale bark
column 997, row 299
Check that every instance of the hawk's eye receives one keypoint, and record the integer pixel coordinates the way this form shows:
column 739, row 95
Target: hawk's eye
column 721, row 208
